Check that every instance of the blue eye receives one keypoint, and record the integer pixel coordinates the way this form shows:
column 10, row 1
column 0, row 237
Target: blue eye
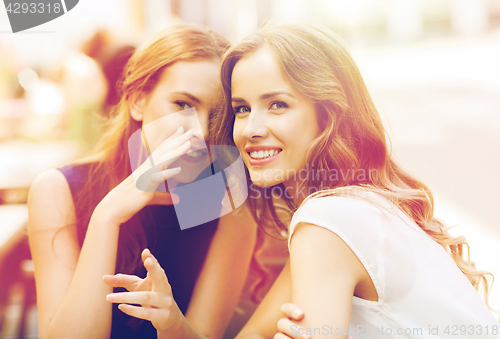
column 241, row 109
column 278, row 105
column 183, row 105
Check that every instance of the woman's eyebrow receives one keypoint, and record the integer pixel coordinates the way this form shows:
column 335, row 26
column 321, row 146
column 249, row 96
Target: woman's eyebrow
column 189, row 95
column 264, row 96
column 272, row 94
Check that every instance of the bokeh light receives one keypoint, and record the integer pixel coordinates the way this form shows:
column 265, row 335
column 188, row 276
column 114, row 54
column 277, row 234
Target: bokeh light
column 28, row 79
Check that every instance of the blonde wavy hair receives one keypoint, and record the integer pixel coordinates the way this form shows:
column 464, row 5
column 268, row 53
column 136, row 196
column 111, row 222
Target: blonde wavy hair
column 315, row 62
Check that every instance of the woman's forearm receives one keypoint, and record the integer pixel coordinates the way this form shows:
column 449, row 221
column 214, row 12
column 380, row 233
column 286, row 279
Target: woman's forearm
column 188, row 332
column 85, row 312
column 185, row 331
column 251, row 335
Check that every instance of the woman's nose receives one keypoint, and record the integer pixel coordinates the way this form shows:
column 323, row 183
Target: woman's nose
column 256, row 126
column 202, row 129
column 198, row 125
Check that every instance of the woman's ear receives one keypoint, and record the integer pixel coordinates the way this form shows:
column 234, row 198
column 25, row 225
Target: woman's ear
column 136, row 103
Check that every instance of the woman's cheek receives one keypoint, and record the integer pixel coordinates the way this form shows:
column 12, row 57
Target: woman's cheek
column 237, row 135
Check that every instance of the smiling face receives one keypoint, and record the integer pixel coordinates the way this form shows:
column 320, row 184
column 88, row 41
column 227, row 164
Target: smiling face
column 183, row 85
column 274, row 124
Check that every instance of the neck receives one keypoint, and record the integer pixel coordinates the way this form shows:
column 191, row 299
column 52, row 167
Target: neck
column 296, row 192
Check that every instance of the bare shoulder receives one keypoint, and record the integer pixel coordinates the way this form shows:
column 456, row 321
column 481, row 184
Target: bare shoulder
column 306, row 234
column 312, row 243
column 51, row 179
column 50, row 202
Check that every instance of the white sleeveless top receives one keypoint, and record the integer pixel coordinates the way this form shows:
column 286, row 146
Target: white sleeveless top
column 421, row 291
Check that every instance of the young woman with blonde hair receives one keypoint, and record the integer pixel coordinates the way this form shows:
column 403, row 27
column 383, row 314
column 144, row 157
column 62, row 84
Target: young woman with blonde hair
column 91, row 219
column 366, row 253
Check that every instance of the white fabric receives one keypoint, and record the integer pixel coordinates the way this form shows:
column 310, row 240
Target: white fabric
column 420, row 288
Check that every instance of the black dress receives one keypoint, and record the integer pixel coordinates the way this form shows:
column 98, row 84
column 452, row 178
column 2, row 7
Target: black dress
column 180, row 253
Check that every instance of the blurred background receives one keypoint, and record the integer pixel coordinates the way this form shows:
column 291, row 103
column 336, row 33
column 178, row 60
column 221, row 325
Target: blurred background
column 432, row 67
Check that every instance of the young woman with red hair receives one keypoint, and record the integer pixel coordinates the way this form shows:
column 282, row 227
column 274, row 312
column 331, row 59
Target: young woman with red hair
column 90, row 219
column 366, row 253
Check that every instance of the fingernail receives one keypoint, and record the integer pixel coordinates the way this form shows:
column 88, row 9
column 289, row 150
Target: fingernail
column 176, row 170
column 297, row 313
column 148, row 261
column 181, row 129
column 110, row 297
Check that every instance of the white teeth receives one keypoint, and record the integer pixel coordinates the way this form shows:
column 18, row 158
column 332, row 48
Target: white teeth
column 263, row 154
column 195, row 154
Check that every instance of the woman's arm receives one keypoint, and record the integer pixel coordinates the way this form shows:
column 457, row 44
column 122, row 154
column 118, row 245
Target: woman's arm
column 71, row 294
column 223, row 274
column 69, row 285
column 325, row 273
column 262, row 324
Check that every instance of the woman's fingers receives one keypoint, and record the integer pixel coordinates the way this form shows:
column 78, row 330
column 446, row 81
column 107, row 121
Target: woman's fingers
column 145, row 253
column 166, row 159
column 156, row 274
column 164, row 198
column 158, row 277
column 149, row 180
column 164, row 175
column 177, row 133
column 146, row 177
column 171, row 144
column 292, row 330
column 280, row 335
column 289, row 328
column 151, row 299
column 121, row 280
column 180, row 132
column 154, row 315
column 292, row 311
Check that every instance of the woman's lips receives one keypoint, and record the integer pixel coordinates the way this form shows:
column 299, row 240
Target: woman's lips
column 262, row 161
column 194, row 156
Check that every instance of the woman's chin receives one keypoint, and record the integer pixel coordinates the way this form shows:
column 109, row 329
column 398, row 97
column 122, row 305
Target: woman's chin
column 185, row 178
column 189, row 171
column 260, row 182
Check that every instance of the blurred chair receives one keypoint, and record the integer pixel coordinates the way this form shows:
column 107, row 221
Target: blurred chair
column 17, row 284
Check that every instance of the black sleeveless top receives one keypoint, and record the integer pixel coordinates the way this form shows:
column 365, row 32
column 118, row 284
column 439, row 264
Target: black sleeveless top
column 180, row 253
